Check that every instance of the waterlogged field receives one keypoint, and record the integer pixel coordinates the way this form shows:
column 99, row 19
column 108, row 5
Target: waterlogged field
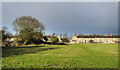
column 61, row 56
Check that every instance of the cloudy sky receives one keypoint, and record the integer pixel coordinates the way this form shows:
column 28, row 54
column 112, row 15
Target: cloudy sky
column 65, row 17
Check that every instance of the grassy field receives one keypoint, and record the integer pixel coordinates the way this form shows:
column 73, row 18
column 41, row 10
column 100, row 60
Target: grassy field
column 62, row 56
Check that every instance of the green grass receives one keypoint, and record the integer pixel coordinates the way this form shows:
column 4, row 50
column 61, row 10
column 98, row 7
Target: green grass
column 62, row 56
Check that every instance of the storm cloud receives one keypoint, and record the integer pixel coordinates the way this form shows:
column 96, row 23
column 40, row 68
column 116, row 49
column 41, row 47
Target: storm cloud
column 66, row 17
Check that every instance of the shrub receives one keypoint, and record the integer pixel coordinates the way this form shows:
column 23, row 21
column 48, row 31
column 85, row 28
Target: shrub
column 45, row 38
column 65, row 40
column 15, row 44
column 39, row 41
column 6, row 44
column 54, row 39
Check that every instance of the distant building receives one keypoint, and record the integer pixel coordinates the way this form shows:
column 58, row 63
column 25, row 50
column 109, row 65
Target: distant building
column 49, row 36
column 95, row 38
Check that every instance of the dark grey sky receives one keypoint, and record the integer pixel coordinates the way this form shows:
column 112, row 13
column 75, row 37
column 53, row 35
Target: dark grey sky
column 66, row 17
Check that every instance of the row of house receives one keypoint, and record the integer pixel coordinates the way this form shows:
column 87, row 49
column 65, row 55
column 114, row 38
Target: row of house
column 84, row 38
column 95, row 38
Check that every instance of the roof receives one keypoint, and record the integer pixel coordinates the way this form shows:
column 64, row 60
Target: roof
column 97, row 36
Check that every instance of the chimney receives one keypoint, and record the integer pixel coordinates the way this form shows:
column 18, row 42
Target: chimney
column 88, row 34
column 77, row 34
column 110, row 34
column 99, row 34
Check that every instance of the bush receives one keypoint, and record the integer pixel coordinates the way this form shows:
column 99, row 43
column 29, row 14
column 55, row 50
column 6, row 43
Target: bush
column 65, row 40
column 15, row 44
column 6, row 44
column 45, row 38
column 38, row 41
column 54, row 39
